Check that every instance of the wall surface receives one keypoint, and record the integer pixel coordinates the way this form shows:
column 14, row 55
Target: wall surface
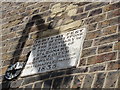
column 23, row 23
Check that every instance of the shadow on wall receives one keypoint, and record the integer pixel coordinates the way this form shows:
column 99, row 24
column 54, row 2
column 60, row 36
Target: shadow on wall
column 41, row 26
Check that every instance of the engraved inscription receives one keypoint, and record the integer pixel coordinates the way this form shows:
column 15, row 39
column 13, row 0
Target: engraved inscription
column 55, row 52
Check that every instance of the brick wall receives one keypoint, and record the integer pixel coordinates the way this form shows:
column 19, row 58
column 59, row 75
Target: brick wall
column 100, row 60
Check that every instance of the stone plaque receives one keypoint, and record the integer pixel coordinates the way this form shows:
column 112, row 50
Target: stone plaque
column 55, row 52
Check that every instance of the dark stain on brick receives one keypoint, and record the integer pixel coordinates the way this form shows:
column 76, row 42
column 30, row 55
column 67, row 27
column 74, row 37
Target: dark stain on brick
column 105, row 48
column 107, row 39
column 77, row 70
column 47, row 84
column 88, row 81
column 58, row 73
column 95, row 12
column 38, row 85
column 99, row 80
column 67, row 82
column 80, row 16
column 57, row 83
column 97, row 68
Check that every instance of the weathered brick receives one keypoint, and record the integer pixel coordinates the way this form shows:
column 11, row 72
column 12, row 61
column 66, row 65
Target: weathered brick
column 92, row 27
column 105, row 48
column 5, row 63
column 67, row 20
column 28, row 87
column 109, row 30
column 118, row 54
column 46, row 13
column 118, row 28
column 1, row 78
column 113, row 65
column 80, row 10
column 8, row 36
column 5, row 85
column 88, row 81
column 0, row 86
column 106, row 57
column 29, row 43
column 95, row 12
column 95, row 5
column 16, row 84
column 107, row 39
column 92, row 60
column 55, row 5
column 78, row 81
column 44, row 8
column 81, row 3
column 55, row 74
column 117, row 46
column 38, row 85
column 77, row 70
column 72, row 12
column 67, row 82
column 57, row 83
column 5, row 49
column 32, row 79
column 112, row 6
column 88, row 52
column 100, row 67
column 82, row 62
column 22, row 57
column 94, row 19
column 111, row 79
column 47, row 84
column 71, row 6
column 8, row 25
column 3, row 70
column 94, row 34
column 71, row 25
column 57, row 10
column 99, row 80
column 80, row 16
column 109, row 22
column 87, row 43
column 113, row 13
column 7, row 56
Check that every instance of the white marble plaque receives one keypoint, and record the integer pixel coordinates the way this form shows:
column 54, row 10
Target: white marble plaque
column 55, row 52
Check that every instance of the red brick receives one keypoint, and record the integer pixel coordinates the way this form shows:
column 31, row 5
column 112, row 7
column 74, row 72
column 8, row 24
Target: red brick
column 87, row 43
column 109, row 22
column 109, row 30
column 94, row 19
column 114, row 65
column 92, row 60
column 112, row 6
column 88, row 52
column 107, row 39
column 113, row 13
column 106, row 57
column 101, row 58
column 94, row 34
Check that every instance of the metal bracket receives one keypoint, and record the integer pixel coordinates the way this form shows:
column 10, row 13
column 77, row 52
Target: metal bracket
column 14, row 70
